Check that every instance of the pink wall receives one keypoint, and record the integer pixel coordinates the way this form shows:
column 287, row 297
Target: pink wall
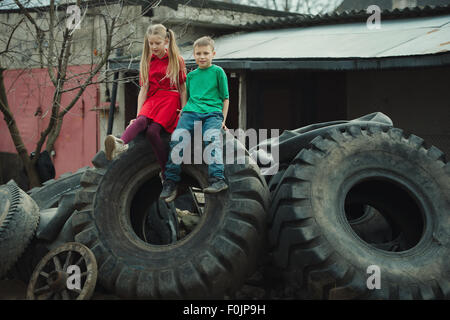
column 27, row 90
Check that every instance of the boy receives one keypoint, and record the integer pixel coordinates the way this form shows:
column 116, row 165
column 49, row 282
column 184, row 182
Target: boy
column 208, row 100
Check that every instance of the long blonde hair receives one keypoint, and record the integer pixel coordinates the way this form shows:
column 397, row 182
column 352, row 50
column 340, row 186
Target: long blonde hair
column 175, row 59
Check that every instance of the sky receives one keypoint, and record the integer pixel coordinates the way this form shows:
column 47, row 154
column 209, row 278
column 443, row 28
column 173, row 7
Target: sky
column 9, row 4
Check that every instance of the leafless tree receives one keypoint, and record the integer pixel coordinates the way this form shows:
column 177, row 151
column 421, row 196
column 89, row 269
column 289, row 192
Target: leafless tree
column 59, row 46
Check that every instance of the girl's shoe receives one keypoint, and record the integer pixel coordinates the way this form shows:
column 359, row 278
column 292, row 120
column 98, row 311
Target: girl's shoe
column 114, row 147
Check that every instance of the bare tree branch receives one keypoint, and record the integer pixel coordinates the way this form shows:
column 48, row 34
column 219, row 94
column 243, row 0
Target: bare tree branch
column 53, row 46
column 11, row 36
column 98, row 67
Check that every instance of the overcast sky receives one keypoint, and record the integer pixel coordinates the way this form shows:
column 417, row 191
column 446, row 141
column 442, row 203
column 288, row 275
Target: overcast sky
column 316, row 5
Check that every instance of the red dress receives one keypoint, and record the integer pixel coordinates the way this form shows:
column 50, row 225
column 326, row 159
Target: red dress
column 161, row 104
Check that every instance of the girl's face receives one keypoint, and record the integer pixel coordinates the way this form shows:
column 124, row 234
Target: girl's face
column 157, row 45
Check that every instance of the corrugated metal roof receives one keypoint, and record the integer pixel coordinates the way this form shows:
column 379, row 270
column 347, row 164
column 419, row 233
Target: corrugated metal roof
column 405, row 37
column 345, row 17
column 418, row 37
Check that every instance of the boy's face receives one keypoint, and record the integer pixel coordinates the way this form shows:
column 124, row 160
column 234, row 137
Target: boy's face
column 203, row 56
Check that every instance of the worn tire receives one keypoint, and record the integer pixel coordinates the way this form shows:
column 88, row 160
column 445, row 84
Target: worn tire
column 405, row 180
column 211, row 262
column 365, row 220
column 52, row 190
column 47, row 196
column 276, row 178
column 19, row 218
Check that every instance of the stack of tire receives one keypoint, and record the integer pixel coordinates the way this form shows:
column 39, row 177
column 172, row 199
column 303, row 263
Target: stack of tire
column 357, row 210
column 19, row 219
column 397, row 247
column 35, row 221
column 213, row 261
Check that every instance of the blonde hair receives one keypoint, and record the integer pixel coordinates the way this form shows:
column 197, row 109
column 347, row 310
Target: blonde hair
column 204, row 41
column 174, row 66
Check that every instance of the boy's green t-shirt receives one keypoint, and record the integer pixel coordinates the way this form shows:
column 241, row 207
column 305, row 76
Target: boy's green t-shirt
column 206, row 90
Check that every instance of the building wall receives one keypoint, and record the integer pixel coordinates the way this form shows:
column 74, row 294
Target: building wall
column 293, row 99
column 84, row 130
column 29, row 95
column 417, row 101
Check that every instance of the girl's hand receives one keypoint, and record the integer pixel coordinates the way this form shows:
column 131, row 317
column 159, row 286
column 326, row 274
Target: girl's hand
column 131, row 122
column 224, row 127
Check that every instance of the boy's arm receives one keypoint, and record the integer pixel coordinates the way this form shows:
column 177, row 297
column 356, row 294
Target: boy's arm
column 223, row 89
column 226, row 103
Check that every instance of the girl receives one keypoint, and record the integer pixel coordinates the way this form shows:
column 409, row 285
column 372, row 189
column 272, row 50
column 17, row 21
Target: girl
column 163, row 92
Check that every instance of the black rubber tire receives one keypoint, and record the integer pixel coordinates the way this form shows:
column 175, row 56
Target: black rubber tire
column 52, row 190
column 161, row 225
column 276, row 178
column 49, row 195
column 312, row 241
column 19, row 218
column 211, row 262
column 368, row 224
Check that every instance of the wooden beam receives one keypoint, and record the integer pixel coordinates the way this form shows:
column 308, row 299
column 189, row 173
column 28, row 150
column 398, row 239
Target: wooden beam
column 242, row 100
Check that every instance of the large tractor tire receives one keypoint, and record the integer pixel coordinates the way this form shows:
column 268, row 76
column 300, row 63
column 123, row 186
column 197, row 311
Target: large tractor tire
column 51, row 192
column 407, row 182
column 212, row 261
column 19, row 218
column 54, row 193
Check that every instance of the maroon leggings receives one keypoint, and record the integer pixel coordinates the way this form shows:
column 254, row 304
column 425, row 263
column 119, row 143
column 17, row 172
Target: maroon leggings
column 152, row 133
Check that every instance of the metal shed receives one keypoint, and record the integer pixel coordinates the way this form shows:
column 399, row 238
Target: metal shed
column 413, row 42
column 291, row 72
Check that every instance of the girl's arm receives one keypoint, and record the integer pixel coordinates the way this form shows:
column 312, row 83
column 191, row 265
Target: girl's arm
column 141, row 98
column 226, row 103
column 183, row 95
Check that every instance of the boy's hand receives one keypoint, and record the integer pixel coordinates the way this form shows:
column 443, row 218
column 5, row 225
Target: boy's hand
column 224, row 127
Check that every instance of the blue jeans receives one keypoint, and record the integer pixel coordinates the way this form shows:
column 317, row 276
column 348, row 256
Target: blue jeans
column 211, row 120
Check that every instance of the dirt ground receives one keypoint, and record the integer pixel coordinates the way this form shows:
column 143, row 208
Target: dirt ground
column 12, row 290
column 17, row 290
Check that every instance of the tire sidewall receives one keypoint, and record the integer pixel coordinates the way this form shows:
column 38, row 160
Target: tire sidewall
column 210, row 262
column 396, row 161
column 112, row 206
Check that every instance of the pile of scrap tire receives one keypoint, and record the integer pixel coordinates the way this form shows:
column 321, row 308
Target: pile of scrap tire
column 357, row 210
column 40, row 225
column 360, row 196
column 211, row 262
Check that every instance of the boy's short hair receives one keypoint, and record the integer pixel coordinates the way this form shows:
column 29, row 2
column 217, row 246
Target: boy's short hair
column 204, row 41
